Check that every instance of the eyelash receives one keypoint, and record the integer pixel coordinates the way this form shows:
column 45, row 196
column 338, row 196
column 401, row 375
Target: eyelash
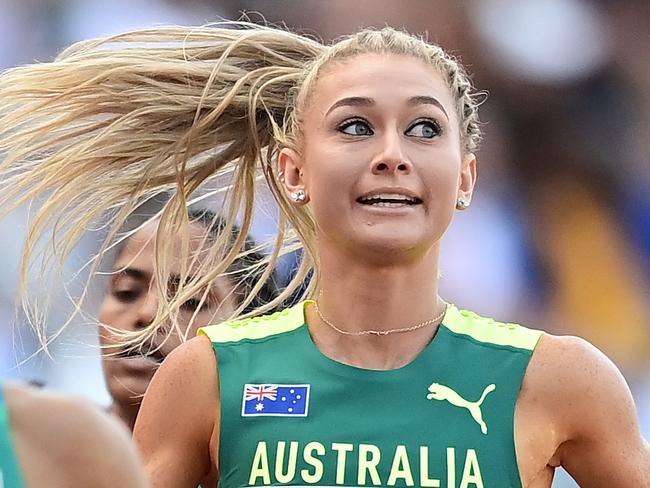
column 432, row 122
column 350, row 122
column 130, row 296
column 126, row 296
column 193, row 304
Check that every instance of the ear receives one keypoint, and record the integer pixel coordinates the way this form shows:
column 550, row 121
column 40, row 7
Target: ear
column 467, row 177
column 290, row 164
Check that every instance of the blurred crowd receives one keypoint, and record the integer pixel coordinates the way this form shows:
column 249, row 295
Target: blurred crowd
column 558, row 235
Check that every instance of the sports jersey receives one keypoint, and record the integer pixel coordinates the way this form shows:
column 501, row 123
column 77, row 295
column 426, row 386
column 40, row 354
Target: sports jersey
column 292, row 416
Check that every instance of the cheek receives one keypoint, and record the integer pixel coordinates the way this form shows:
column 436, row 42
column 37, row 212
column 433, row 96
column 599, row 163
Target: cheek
column 332, row 174
column 441, row 179
column 116, row 315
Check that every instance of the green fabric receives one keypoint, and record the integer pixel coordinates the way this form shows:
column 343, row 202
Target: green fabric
column 444, row 420
column 10, row 473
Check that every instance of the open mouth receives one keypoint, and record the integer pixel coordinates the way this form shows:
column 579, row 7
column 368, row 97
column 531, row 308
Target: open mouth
column 389, row 200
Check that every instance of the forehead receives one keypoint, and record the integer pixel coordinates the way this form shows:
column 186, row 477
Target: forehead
column 383, row 77
column 140, row 248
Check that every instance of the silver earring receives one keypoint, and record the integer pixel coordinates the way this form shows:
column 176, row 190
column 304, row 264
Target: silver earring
column 462, row 204
column 281, row 176
column 299, row 196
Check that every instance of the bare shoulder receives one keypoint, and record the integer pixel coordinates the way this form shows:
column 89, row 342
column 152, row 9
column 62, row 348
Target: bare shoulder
column 177, row 427
column 193, row 358
column 568, row 368
column 69, row 438
column 592, row 411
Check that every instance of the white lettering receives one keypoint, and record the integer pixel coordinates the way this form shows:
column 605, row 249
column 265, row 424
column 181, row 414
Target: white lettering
column 451, row 467
column 313, row 461
column 424, row 469
column 342, row 450
column 260, row 466
column 471, row 471
column 401, row 468
column 369, row 457
column 280, row 475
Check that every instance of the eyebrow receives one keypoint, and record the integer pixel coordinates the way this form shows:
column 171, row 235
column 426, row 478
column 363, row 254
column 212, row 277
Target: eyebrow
column 141, row 275
column 352, row 102
column 369, row 102
column 135, row 273
column 427, row 100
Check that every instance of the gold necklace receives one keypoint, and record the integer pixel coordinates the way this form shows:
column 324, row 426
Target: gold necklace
column 382, row 332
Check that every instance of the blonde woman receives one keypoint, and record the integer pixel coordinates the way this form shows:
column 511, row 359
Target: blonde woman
column 368, row 146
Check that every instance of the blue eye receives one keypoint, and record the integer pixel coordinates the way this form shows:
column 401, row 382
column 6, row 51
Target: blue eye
column 356, row 128
column 425, row 128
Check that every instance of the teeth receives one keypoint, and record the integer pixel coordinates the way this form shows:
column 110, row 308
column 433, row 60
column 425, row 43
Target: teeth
column 387, row 204
column 388, row 199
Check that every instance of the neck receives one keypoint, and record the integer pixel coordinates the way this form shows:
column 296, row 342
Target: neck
column 358, row 296
column 126, row 413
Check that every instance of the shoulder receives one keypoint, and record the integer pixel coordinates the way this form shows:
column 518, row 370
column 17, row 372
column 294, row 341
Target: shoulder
column 579, row 384
column 257, row 328
column 186, row 383
column 179, row 416
column 571, row 363
column 591, row 413
column 87, row 444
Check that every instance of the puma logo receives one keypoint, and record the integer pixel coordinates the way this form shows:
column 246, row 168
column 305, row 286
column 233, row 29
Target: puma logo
column 444, row 393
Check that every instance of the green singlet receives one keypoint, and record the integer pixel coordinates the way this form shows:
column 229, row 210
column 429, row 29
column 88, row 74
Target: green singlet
column 10, row 473
column 292, row 416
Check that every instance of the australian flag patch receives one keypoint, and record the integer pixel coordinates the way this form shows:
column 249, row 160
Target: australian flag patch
column 270, row 400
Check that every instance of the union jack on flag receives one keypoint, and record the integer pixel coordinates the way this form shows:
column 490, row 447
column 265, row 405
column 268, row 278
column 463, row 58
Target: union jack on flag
column 260, row 392
column 273, row 400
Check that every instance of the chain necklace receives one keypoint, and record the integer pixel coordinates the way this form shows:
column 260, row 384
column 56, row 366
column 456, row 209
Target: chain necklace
column 382, row 332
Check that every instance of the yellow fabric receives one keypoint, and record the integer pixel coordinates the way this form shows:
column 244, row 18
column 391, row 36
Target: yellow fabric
column 257, row 327
column 458, row 321
column 490, row 331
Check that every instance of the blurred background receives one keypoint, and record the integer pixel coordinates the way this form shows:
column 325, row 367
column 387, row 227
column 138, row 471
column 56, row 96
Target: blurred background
column 558, row 234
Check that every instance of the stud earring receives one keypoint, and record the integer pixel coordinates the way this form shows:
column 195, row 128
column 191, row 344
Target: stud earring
column 462, row 204
column 299, row 196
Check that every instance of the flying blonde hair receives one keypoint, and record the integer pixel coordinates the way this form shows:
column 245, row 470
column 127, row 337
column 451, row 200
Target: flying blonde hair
column 113, row 122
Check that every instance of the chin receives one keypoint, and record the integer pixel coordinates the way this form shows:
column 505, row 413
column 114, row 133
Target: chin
column 393, row 247
column 127, row 389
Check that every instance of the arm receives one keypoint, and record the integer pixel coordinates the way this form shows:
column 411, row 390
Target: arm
column 603, row 445
column 101, row 452
column 177, row 427
column 65, row 441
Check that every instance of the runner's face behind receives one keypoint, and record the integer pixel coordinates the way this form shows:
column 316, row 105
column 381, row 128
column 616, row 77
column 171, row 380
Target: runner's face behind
column 131, row 304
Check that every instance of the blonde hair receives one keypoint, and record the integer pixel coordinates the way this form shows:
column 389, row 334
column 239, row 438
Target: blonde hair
column 113, row 122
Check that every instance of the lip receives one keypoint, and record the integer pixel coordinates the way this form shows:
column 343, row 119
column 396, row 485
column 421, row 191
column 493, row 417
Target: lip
column 394, row 190
column 138, row 365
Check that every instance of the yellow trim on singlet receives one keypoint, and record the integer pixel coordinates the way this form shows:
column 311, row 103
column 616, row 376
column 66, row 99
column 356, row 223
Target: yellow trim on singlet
column 458, row 321
column 257, row 327
column 490, row 331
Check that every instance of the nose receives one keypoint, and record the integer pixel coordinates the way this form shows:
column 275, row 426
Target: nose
column 391, row 159
column 147, row 309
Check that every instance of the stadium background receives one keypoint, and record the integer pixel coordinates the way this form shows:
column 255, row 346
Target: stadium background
column 558, row 235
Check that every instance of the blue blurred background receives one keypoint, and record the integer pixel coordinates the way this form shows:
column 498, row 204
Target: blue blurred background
column 558, row 235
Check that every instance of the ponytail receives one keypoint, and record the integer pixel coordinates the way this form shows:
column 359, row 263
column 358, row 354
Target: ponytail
column 113, row 122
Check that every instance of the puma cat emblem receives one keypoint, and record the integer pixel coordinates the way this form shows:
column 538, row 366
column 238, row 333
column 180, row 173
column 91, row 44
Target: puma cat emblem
column 444, row 393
